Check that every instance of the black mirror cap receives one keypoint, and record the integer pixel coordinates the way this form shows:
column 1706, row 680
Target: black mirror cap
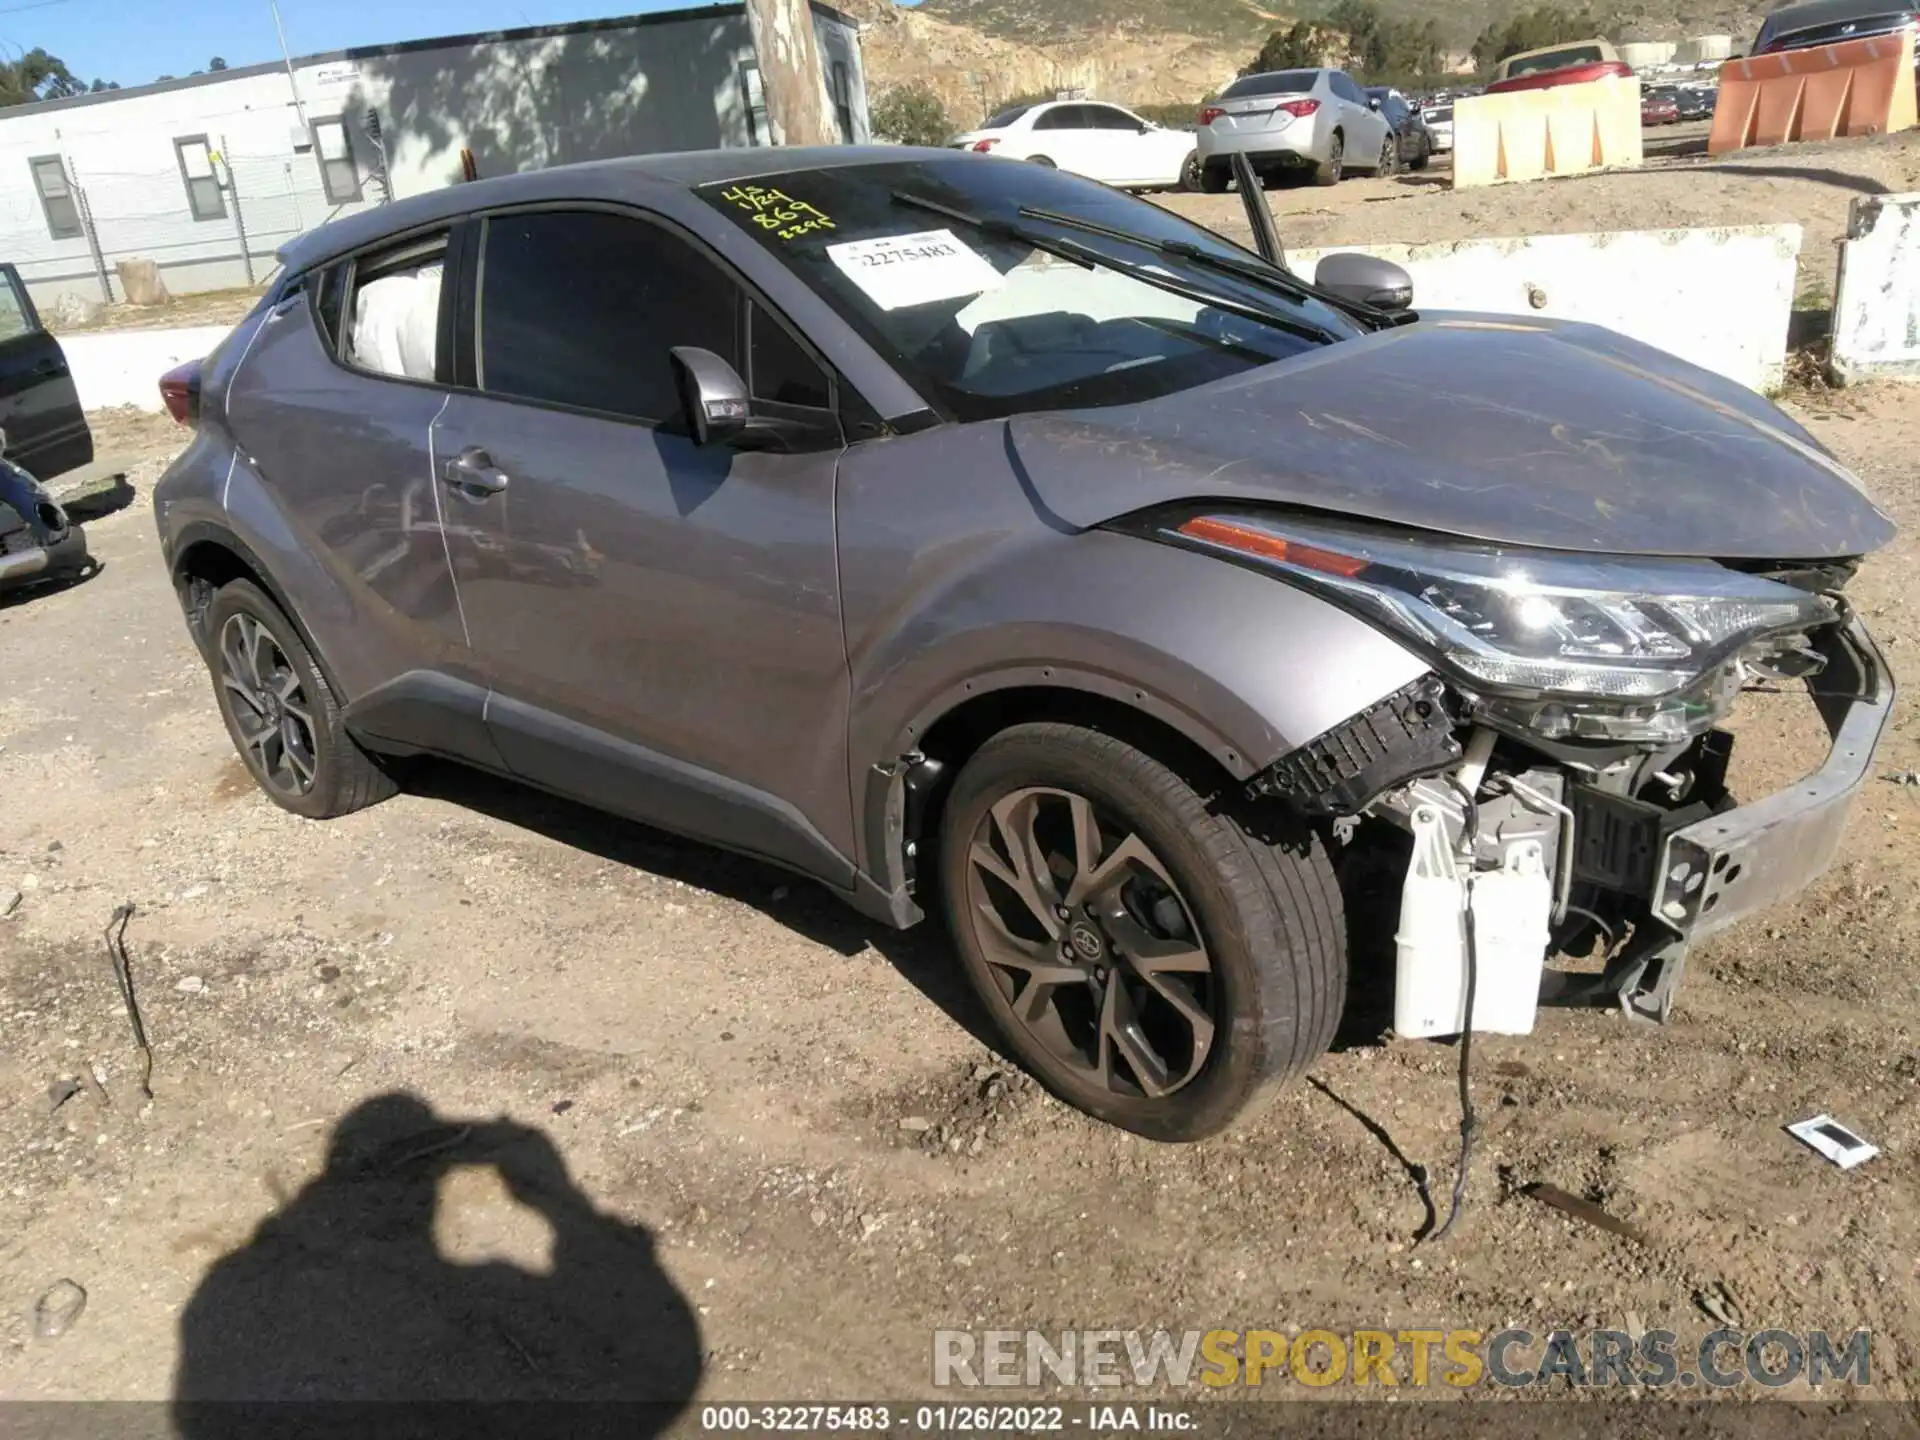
column 1365, row 279
column 713, row 397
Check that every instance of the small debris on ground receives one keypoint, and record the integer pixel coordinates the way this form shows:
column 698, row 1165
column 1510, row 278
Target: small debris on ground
column 916, row 1124
column 55, row 1311
column 190, row 985
column 1580, row 1209
column 61, row 1091
column 1719, row 1304
column 1827, row 1136
column 9, row 902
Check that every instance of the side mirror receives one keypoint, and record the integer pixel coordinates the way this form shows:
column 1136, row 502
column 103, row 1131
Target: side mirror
column 713, row 397
column 1352, row 276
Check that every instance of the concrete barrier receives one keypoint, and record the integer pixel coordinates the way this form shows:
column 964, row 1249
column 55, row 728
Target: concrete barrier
column 1719, row 298
column 1861, row 87
column 123, row 367
column 1876, row 308
column 1562, row 130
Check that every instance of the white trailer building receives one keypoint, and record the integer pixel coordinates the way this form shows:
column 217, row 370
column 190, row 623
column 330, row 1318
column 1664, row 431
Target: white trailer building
column 208, row 176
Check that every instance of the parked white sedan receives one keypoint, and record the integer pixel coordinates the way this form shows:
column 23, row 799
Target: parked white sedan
column 1102, row 142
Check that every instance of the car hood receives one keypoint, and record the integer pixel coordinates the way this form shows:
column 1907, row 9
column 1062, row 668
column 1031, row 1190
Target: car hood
column 1521, row 432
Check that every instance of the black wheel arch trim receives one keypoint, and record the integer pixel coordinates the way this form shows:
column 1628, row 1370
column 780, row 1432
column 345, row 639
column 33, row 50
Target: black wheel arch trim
column 199, row 532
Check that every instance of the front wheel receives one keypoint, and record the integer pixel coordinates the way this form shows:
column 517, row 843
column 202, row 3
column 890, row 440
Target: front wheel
column 1389, row 156
column 1144, row 953
column 1042, row 161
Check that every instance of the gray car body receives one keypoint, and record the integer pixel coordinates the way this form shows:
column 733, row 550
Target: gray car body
column 744, row 646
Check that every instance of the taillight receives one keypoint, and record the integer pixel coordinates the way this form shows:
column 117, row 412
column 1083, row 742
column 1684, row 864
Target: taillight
column 180, row 391
column 1210, row 113
column 981, row 147
column 1299, row 107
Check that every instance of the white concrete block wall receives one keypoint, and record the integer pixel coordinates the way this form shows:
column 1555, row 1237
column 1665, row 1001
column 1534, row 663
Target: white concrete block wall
column 123, row 367
column 1721, row 298
column 1876, row 308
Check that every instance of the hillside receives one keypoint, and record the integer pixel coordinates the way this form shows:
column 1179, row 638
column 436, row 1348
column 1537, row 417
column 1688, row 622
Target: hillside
column 977, row 53
column 1243, row 24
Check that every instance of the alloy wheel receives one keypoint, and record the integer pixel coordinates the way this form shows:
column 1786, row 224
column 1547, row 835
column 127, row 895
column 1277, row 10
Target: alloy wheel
column 272, row 715
column 1091, row 943
column 1390, row 155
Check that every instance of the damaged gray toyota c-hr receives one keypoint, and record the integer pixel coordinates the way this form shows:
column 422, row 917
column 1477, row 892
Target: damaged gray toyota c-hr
column 963, row 534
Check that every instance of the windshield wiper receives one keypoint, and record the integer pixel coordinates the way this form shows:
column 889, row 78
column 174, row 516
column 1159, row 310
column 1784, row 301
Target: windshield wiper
column 1087, row 257
column 1258, row 271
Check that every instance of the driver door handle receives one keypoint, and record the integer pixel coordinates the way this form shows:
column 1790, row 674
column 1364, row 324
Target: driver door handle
column 473, row 469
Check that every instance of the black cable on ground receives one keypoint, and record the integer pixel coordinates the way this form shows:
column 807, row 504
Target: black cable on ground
column 1467, row 1118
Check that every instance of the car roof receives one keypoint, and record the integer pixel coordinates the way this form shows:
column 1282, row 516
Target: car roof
column 1798, row 14
column 630, row 178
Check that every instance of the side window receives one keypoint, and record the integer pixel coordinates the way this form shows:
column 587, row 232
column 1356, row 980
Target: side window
column 56, row 196
column 580, row 308
column 1061, row 117
column 782, row 372
column 394, row 327
column 14, row 320
column 333, row 148
column 1348, row 89
column 204, row 199
column 1106, row 117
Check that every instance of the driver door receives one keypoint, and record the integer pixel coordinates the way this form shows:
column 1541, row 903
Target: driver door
column 659, row 621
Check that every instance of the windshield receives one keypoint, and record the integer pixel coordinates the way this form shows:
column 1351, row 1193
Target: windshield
column 1279, row 82
column 986, row 324
column 1555, row 60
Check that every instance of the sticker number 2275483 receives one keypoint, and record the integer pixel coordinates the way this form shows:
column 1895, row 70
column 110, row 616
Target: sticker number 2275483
column 896, row 271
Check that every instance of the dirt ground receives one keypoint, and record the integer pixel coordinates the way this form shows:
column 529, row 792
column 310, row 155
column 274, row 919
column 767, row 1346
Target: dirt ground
column 575, row 1108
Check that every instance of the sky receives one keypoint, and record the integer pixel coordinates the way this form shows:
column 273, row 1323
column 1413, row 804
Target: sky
column 137, row 41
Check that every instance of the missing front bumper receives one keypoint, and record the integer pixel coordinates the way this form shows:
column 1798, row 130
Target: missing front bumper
column 1723, row 868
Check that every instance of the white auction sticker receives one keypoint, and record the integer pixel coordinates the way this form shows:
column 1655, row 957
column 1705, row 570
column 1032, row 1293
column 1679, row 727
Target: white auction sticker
column 897, row 271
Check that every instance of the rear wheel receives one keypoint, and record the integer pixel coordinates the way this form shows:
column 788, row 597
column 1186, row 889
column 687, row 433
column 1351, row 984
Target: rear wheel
column 1214, row 179
column 1042, row 161
column 1328, row 171
column 281, row 713
column 1153, row 961
column 1419, row 162
column 1192, row 173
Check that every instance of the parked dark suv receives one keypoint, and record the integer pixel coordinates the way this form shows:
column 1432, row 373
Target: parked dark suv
column 962, row 533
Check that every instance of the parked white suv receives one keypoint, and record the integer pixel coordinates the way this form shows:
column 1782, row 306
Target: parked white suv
column 1292, row 120
column 1102, row 142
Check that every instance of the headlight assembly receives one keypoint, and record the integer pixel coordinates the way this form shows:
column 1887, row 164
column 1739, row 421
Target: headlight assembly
column 1561, row 644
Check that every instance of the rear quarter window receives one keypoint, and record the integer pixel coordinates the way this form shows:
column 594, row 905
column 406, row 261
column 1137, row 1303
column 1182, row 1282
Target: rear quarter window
column 1283, row 82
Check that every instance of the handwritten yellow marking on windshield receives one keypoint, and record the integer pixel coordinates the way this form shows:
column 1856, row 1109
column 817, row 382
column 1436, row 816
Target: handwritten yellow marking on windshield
column 778, row 212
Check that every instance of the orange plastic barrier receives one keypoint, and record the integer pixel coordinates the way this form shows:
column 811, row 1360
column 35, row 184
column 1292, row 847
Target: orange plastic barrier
column 1861, row 87
column 1529, row 134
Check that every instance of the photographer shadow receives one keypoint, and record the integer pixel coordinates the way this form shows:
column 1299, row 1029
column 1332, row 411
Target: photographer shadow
column 344, row 1296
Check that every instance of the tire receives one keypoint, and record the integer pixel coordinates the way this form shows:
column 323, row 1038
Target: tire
column 1214, row 179
column 1389, row 161
column 1042, row 161
column 1261, row 914
column 1419, row 162
column 280, row 694
column 1192, row 173
column 1328, row 171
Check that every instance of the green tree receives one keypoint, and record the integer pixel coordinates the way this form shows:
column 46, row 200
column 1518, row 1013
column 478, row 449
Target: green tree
column 1298, row 47
column 36, row 75
column 1532, row 29
column 911, row 115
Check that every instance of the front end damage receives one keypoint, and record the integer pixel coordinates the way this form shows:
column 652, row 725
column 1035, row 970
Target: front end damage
column 38, row 542
column 1645, row 850
column 1562, row 769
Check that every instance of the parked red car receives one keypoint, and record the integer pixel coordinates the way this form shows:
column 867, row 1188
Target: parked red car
column 1659, row 107
column 1558, row 65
